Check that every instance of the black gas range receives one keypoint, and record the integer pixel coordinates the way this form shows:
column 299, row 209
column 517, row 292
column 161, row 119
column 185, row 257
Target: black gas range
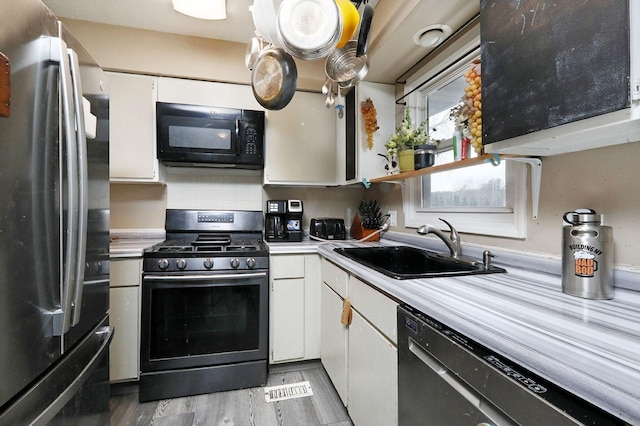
column 205, row 302
column 201, row 241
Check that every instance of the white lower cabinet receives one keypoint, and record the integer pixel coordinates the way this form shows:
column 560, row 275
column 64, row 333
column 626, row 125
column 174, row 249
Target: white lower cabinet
column 294, row 309
column 361, row 358
column 373, row 375
column 124, row 315
column 333, row 341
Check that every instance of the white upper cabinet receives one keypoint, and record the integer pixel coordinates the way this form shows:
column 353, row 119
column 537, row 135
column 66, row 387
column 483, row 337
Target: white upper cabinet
column 370, row 163
column 206, row 93
column 132, row 139
column 300, row 142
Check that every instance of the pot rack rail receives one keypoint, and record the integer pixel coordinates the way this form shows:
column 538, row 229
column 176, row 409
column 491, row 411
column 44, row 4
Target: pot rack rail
column 494, row 159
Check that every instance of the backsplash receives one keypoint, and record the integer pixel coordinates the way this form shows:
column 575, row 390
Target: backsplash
column 216, row 189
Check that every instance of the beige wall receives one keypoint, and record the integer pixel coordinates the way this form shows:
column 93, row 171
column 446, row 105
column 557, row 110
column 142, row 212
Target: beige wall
column 605, row 179
column 155, row 53
column 138, row 206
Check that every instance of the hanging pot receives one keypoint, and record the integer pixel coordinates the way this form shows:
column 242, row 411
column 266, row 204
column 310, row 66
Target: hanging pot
column 350, row 64
column 344, row 67
column 274, row 78
column 309, row 29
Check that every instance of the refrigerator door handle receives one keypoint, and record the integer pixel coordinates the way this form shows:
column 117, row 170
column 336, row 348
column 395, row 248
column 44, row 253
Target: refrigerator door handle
column 83, row 183
column 70, row 249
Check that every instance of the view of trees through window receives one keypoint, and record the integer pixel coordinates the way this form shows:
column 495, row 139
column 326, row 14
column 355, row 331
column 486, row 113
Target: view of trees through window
column 481, row 186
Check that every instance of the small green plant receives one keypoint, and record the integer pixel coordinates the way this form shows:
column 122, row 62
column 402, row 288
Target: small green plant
column 406, row 137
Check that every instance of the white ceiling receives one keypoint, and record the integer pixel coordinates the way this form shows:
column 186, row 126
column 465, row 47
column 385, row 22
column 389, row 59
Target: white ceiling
column 391, row 48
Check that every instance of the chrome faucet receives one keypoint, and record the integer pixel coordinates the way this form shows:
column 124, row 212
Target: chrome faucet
column 452, row 242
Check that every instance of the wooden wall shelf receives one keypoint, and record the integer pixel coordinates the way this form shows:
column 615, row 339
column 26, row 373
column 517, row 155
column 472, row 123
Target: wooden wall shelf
column 442, row 168
column 535, row 163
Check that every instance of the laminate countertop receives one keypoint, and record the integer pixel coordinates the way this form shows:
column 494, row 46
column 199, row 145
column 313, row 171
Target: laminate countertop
column 589, row 347
column 132, row 243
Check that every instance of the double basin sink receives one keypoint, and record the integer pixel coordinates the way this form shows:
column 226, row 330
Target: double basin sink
column 404, row 262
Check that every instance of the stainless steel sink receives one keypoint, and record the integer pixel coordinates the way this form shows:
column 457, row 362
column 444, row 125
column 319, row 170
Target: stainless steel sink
column 404, row 262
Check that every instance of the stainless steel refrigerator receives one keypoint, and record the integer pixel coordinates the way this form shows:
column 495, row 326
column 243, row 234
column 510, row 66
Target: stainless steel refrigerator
column 54, row 223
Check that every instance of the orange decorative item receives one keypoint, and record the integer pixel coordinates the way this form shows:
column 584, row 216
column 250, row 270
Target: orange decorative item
column 473, row 101
column 370, row 120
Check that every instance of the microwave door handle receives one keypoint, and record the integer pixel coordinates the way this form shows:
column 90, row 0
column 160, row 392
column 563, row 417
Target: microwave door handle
column 238, row 145
column 82, row 188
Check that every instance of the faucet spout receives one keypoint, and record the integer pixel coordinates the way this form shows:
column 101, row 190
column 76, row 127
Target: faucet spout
column 452, row 242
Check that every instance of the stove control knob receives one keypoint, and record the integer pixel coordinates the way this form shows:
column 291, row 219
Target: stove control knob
column 181, row 264
column 234, row 263
column 208, row 263
column 251, row 263
column 163, row 264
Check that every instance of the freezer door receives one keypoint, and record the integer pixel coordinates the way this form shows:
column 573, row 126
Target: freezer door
column 29, row 199
column 74, row 392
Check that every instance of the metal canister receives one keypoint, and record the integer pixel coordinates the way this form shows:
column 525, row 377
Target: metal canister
column 587, row 255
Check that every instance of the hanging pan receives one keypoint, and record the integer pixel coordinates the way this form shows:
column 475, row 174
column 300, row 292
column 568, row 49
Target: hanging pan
column 274, row 78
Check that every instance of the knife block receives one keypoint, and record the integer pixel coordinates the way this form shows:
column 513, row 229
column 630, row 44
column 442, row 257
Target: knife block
column 358, row 232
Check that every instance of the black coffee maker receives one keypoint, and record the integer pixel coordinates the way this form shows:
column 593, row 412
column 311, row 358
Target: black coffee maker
column 283, row 220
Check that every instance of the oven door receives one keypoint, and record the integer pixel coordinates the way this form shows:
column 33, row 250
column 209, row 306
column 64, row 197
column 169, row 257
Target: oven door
column 203, row 319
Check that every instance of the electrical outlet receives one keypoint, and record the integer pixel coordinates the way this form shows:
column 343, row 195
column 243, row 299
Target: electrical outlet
column 393, row 218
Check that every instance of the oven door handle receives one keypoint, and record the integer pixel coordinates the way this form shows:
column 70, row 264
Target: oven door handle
column 206, row 277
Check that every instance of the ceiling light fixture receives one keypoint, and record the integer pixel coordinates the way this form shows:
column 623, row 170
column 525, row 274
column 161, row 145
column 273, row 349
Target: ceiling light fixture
column 432, row 35
column 202, row 9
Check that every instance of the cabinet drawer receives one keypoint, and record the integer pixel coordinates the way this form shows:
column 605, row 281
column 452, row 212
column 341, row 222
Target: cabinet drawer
column 286, row 267
column 125, row 273
column 377, row 308
column 334, row 277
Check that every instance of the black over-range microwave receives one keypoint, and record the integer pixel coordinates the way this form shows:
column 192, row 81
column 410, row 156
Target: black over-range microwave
column 191, row 135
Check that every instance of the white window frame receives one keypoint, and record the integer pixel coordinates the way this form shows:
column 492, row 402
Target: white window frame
column 500, row 222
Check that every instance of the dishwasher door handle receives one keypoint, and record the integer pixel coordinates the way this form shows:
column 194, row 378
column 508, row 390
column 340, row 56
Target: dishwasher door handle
column 466, row 391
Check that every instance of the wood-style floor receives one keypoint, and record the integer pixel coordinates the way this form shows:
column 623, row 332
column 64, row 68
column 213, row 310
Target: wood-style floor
column 240, row 407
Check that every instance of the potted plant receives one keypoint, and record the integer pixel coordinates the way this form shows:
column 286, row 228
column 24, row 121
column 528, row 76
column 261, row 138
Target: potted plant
column 404, row 141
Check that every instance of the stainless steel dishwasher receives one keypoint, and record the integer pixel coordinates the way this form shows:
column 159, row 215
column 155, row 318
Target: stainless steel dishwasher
column 447, row 379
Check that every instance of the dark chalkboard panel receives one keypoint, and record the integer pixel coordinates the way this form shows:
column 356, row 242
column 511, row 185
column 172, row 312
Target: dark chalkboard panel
column 547, row 63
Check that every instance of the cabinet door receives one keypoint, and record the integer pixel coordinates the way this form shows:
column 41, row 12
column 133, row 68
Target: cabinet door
column 300, row 142
column 370, row 163
column 124, row 315
column 373, row 375
column 377, row 308
column 333, row 338
column 125, row 272
column 132, row 143
column 287, row 319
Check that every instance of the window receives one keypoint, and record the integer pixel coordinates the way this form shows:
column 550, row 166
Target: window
column 482, row 199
